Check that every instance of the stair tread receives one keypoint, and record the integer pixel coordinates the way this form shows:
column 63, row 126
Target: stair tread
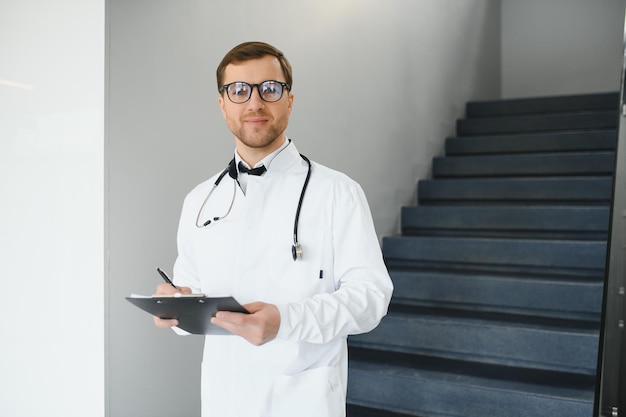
column 537, row 296
column 537, row 345
column 445, row 391
column 538, row 123
column 532, row 252
column 579, row 392
column 534, row 142
column 573, row 163
column 590, row 218
column 547, row 104
column 546, row 190
column 480, row 321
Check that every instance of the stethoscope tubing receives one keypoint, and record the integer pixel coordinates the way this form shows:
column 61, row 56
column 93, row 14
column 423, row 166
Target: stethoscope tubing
column 232, row 170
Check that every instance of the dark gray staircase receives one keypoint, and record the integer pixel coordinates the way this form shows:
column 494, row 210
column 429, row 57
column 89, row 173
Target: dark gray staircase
column 498, row 271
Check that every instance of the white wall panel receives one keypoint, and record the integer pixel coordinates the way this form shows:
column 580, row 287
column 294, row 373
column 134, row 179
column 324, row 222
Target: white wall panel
column 51, row 209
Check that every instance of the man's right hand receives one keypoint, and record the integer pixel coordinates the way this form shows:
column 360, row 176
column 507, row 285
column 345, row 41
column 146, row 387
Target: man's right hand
column 167, row 289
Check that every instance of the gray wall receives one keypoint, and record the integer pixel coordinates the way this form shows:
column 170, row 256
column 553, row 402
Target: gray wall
column 561, row 46
column 377, row 89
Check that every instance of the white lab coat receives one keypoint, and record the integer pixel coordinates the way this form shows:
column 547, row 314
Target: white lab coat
column 340, row 286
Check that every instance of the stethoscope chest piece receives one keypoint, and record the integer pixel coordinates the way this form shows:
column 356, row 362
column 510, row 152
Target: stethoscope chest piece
column 296, row 251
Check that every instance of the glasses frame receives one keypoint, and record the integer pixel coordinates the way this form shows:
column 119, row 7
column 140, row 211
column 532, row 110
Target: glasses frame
column 282, row 84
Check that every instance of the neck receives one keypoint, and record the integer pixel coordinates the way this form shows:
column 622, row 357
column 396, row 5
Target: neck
column 252, row 156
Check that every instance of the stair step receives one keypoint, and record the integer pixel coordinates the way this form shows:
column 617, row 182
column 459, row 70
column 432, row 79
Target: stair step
column 499, row 272
column 542, row 296
column 575, row 258
column 551, row 190
column 552, row 222
column 483, row 340
column 438, row 392
column 592, row 140
column 574, row 163
column 573, row 103
column 358, row 411
column 537, row 123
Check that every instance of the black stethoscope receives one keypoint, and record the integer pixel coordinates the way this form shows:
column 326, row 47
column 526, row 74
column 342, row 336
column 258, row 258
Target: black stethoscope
column 231, row 170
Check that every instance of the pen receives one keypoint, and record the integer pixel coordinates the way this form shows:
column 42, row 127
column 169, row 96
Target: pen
column 166, row 278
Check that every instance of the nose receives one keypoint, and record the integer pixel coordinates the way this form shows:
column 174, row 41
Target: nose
column 255, row 101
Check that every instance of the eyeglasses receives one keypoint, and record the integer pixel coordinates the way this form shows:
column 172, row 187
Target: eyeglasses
column 239, row 92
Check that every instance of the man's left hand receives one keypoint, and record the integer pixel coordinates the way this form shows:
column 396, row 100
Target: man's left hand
column 258, row 327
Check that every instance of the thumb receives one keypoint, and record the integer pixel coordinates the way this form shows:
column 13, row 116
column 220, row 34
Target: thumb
column 184, row 290
column 254, row 307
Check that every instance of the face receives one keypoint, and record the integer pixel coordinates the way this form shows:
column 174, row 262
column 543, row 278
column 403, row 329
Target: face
column 258, row 126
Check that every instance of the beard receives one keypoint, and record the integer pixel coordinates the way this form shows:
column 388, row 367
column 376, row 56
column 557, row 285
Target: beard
column 260, row 137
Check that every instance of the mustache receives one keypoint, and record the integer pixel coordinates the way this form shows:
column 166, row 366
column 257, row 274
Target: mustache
column 254, row 116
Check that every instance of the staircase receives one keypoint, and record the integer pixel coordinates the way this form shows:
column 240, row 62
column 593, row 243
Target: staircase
column 499, row 270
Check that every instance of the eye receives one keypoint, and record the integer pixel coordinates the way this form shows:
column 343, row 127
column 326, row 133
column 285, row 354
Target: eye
column 271, row 90
column 270, row 87
column 241, row 89
column 238, row 89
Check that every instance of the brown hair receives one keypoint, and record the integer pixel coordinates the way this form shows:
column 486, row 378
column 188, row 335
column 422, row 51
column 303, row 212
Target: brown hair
column 253, row 50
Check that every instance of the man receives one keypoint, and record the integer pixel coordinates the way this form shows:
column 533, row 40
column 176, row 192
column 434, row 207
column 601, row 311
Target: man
column 242, row 238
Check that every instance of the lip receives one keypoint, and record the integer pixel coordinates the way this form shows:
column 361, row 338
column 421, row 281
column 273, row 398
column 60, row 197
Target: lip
column 256, row 120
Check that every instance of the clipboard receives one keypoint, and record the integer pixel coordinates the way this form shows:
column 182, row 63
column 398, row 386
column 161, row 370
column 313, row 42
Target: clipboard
column 193, row 311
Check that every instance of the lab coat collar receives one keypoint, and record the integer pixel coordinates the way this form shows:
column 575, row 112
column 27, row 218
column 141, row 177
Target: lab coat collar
column 285, row 159
column 278, row 161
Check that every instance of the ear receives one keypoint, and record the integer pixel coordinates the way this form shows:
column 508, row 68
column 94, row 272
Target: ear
column 220, row 101
column 290, row 102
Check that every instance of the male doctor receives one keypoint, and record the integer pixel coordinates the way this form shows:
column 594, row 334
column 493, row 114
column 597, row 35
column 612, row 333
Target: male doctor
column 310, row 274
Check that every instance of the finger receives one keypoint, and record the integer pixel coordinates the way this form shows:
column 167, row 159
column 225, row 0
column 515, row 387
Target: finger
column 251, row 333
column 167, row 289
column 231, row 327
column 246, row 332
column 164, row 323
column 231, row 317
column 219, row 322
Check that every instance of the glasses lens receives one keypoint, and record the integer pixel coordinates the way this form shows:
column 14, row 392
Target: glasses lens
column 239, row 92
column 271, row 90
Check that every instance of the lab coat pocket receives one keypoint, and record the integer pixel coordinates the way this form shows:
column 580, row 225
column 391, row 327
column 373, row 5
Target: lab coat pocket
column 313, row 393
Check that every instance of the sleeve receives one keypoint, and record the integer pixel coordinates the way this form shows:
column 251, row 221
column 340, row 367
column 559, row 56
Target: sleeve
column 363, row 284
column 185, row 271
